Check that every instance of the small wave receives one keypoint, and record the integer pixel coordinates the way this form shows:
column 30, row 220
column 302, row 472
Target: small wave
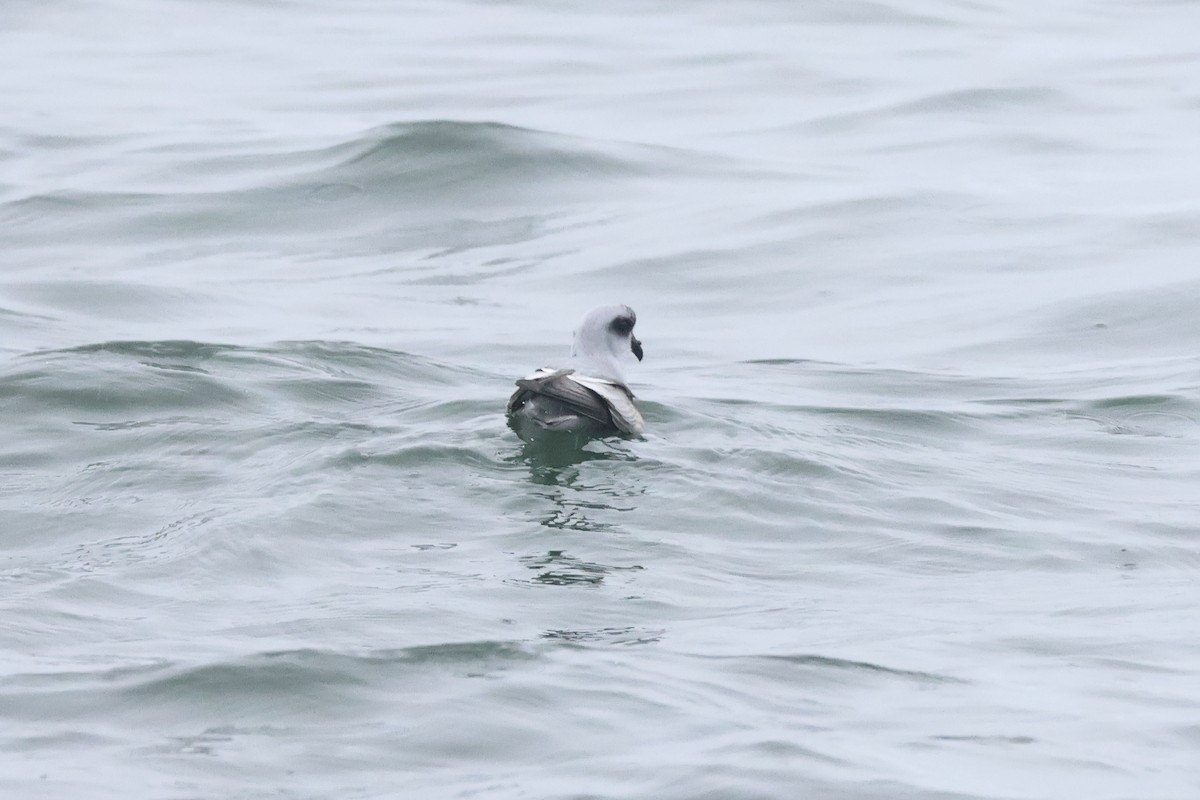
column 128, row 385
column 980, row 103
column 318, row 675
column 116, row 378
column 461, row 155
column 322, row 672
column 830, row 663
column 390, row 181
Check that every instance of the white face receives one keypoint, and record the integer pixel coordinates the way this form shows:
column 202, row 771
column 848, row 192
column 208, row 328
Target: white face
column 604, row 339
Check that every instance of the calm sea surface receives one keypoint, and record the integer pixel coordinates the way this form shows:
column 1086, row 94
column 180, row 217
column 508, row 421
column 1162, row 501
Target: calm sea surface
column 917, row 514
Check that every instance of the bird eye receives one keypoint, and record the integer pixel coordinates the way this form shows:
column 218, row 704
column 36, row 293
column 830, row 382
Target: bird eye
column 621, row 325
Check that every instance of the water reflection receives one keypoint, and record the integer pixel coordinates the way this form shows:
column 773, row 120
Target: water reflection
column 548, row 456
column 557, row 568
column 577, row 494
column 628, row 635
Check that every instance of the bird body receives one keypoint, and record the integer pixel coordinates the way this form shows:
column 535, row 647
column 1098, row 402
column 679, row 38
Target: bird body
column 589, row 399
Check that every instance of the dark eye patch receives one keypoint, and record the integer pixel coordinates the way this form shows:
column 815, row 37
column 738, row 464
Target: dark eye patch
column 621, row 325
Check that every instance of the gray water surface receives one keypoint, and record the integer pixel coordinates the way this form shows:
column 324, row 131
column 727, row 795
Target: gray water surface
column 916, row 511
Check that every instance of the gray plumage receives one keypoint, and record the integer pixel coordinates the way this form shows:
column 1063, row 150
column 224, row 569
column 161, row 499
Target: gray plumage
column 589, row 399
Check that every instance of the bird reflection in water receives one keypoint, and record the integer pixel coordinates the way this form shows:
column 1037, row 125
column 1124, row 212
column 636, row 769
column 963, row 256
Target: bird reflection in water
column 557, row 470
column 628, row 635
column 556, row 568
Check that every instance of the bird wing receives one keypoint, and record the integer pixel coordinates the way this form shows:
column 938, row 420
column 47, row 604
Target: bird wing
column 580, row 398
column 618, row 398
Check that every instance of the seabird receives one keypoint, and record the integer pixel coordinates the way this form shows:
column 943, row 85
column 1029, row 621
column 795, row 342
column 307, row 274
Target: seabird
column 589, row 398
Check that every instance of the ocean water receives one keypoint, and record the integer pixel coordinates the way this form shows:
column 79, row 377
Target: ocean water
column 916, row 514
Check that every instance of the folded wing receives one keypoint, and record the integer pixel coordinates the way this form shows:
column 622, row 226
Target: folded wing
column 556, row 384
column 619, row 400
column 608, row 404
